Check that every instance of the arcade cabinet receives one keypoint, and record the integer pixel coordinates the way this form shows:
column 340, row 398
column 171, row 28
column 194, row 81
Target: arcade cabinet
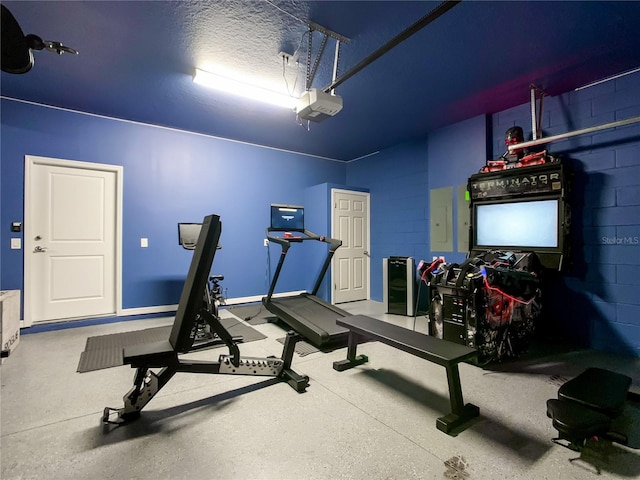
column 520, row 223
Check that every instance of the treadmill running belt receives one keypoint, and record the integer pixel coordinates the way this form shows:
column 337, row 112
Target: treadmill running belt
column 311, row 317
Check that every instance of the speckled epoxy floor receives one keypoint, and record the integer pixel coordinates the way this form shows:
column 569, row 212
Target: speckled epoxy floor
column 372, row 422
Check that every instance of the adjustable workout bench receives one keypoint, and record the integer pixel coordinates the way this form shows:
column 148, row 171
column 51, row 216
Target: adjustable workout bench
column 436, row 350
column 191, row 312
column 587, row 406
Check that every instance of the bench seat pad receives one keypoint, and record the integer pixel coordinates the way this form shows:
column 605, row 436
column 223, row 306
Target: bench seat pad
column 601, row 390
column 430, row 348
column 153, row 354
column 575, row 420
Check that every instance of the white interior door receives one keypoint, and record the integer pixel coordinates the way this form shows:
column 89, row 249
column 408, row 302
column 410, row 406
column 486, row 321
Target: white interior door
column 350, row 270
column 72, row 223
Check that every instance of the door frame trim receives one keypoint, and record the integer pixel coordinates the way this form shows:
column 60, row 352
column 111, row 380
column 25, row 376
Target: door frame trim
column 30, row 161
column 368, row 246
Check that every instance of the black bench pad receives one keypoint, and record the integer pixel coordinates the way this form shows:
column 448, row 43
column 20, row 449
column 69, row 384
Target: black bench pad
column 424, row 346
column 576, row 421
column 601, row 390
column 441, row 352
column 150, row 355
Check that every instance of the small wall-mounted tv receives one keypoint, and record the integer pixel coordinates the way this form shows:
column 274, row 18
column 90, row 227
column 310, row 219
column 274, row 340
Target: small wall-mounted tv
column 287, row 218
column 538, row 225
column 188, row 234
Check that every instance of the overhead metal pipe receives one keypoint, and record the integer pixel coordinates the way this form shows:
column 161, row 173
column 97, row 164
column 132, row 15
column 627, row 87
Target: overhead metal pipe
column 536, row 113
column 401, row 37
column 584, row 131
column 534, row 119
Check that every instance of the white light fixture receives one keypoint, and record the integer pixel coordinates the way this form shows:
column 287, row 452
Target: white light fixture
column 237, row 87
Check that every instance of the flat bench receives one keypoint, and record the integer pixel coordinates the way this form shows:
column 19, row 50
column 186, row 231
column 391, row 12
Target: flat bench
column 442, row 352
column 586, row 407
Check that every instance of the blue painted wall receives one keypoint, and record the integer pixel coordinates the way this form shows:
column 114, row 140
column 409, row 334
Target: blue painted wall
column 456, row 152
column 169, row 177
column 176, row 176
column 596, row 303
column 400, row 180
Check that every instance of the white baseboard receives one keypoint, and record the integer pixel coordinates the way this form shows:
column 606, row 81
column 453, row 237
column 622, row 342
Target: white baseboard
column 172, row 308
column 147, row 310
column 258, row 298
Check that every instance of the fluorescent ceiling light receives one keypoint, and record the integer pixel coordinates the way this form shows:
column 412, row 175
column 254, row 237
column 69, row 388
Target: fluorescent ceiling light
column 243, row 89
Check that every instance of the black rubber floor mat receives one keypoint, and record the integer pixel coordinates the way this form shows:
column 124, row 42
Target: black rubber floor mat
column 253, row 314
column 105, row 351
column 125, row 339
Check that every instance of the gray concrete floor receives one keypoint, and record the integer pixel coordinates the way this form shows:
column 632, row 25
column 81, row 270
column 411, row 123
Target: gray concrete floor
column 376, row 421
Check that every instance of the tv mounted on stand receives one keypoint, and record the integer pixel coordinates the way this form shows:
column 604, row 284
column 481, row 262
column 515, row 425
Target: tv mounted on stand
column 287, row 218
column 520, row 221
column 306, row 313
column 522, row 210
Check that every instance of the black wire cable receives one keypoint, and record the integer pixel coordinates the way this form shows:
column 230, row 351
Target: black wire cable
column 415, row 312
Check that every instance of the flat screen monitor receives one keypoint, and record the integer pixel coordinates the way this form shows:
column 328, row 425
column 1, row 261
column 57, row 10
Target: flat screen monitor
column 287, row 218
column 524, row 225
column 188, row 234
column 539, row 225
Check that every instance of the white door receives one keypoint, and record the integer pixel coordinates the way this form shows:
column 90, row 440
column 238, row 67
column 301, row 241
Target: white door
column 350, row 271
column 72, row 223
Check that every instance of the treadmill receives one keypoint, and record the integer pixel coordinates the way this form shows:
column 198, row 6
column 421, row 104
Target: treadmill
column 307, row 314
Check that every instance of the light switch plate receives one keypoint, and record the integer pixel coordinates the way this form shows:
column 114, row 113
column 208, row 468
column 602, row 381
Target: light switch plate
column 16, row 243
column 144, row 242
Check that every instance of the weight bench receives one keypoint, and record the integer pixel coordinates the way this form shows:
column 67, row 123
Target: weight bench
column 586, row 407
column 191, row 313
column 442, row 352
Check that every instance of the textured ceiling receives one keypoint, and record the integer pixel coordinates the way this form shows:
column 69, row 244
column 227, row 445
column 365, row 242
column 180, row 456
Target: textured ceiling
column 137, row 59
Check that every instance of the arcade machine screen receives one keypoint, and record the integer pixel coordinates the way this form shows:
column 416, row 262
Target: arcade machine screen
column 524, row 225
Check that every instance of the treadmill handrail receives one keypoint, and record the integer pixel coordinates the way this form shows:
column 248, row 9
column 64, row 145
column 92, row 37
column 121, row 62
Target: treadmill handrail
column 285, row 243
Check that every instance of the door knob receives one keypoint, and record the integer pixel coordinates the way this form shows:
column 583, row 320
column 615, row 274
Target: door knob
column 366, row 253
column 39, row 249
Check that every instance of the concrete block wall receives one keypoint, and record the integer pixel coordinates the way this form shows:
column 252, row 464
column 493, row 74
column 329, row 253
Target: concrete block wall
column 596, row 303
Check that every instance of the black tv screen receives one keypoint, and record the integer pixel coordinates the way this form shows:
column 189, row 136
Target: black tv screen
column 188, row 234
column 526, row 225
column 287, row 218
